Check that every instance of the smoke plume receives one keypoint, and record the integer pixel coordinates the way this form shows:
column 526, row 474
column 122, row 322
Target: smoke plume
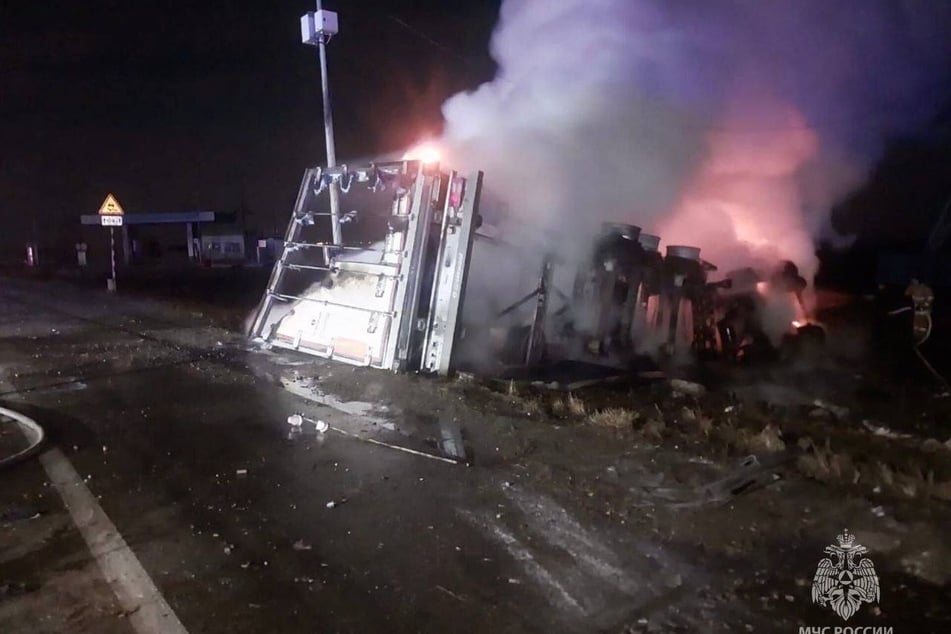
column 732, row 125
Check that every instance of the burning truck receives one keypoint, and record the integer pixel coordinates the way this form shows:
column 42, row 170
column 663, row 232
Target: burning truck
column 423, row 288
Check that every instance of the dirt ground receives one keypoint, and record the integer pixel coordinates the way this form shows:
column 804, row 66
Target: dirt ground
column 633, row 507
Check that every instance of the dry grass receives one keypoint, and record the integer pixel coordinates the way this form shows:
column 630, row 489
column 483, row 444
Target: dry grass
column 911, row 480
column 613, row 417
column 576, row 406
column 532, row 406
column 654, row 429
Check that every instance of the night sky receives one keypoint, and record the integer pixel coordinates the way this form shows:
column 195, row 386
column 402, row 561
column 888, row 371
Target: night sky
column 216, row 105
column 211, row 105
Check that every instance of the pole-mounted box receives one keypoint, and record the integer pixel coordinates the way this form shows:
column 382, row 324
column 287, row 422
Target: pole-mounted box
column 313, row 24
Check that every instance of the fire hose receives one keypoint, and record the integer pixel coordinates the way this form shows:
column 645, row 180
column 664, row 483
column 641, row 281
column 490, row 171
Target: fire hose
column 33, row 431
column 922, row 298
column 925, row 361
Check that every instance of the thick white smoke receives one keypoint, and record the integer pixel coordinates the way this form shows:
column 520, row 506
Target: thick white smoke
column 732, row 125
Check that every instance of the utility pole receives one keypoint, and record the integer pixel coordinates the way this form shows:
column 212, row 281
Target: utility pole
column 316, row 30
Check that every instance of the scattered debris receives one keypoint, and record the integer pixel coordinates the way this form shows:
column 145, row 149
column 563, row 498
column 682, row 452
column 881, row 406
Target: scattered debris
column 654, row 429
column 322, row 427
column 10, row 589
column 451, row 442
column 300, row 544
column 335, row 503
column 687, row 387
column 452, row 594
column 241, row 472
column 752, row 473
column 880, row 430
column 18, row 514
column 878, row 511
column 837, row 410
column 768, row 441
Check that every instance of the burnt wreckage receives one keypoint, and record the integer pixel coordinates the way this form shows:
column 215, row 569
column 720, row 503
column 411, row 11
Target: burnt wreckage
column 399, row 303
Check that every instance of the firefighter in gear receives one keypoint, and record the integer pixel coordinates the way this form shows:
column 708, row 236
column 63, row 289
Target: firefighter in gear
column 922, row 298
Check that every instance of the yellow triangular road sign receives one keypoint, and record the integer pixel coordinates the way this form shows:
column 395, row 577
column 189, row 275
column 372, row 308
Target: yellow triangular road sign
column 111, row 207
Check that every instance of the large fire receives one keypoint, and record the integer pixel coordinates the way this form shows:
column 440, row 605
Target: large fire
column 426, row 152
column 781, row 307
column 744, row 205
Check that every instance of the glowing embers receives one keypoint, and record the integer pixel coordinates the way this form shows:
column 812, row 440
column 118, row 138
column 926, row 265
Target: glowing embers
column 757, row 311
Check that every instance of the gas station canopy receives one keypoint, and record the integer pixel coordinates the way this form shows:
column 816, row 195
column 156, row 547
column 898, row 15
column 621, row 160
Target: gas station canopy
column 158, row 218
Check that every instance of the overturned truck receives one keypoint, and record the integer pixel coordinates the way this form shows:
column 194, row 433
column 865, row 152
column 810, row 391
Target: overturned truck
column 393, row 304
column 393, row 297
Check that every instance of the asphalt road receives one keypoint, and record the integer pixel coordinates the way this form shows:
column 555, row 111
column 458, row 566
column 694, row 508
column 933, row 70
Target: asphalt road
column 179, row 433
column 188, row 453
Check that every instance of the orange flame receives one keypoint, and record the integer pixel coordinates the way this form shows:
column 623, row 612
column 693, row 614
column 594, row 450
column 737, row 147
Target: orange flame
column 425, row 152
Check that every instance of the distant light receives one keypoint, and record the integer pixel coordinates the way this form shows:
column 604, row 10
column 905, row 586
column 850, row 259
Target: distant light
column 762, row 287
column 424, row 152
column 797, row 324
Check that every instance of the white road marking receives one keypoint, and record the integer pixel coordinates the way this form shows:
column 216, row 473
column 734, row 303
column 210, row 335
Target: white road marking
column 521, row 554
column 560, row 529
column 148, row 611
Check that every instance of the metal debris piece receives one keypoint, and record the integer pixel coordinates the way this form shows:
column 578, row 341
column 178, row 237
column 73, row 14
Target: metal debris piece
column 687, row 387
column 753, row 473
column 769, row 440
column 18, row 514
column 451, row 442
column 10, row 589
column 452, row 594
column 885, row 432
column 319, row 425
column 837, row 410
